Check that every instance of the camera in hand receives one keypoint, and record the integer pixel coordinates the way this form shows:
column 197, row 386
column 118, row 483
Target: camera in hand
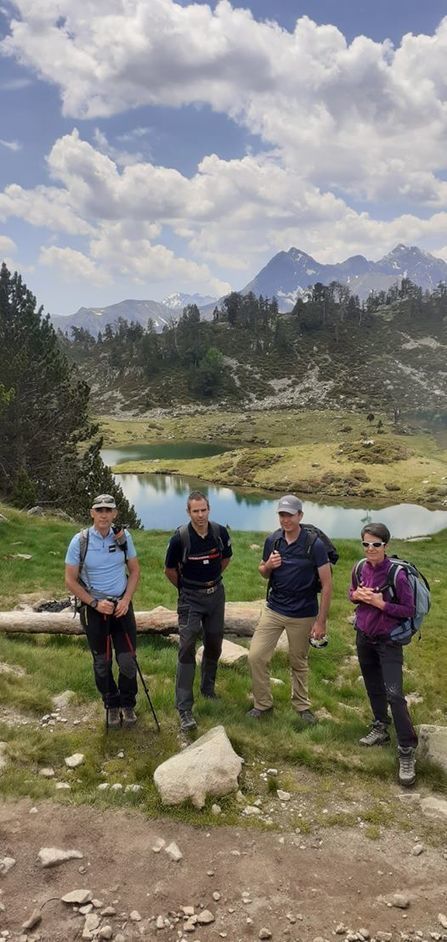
column 319, row 642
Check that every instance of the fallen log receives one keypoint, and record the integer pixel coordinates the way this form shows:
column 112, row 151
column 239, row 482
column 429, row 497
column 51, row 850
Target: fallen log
column 240, row 619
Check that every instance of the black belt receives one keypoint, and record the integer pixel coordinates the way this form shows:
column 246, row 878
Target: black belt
column 205, row 590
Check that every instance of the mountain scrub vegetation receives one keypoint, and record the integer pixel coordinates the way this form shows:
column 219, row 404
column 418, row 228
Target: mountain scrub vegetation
column 387, row 352
column 49, row 447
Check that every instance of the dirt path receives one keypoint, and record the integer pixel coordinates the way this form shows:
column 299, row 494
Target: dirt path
column 297, row 887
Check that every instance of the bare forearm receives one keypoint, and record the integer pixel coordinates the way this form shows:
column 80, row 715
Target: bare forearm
column 172, row 575
column 325, row 602
column 76, row 588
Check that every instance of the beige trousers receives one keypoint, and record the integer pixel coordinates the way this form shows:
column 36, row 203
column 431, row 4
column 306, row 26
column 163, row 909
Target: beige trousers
column 263, row 643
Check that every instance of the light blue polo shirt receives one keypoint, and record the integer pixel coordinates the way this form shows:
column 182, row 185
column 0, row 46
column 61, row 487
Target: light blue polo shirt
column 104, row 569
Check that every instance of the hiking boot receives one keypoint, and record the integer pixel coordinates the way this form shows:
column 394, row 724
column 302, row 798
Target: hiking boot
column 114, row 718
column 256, row 714
column 307, row 717
column 129, row 716
column 377, row 736
column 187, row 721
column 407, row 766
column 210, row 696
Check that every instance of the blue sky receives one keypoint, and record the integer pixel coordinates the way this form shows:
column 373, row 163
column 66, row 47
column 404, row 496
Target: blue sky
column 152, row 146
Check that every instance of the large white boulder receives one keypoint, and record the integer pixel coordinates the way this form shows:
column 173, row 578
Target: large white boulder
column 231, row 653
column 433, row 744
column 209, row 766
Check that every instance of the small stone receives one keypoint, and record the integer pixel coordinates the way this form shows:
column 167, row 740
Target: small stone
column 135, row 916
column 417, row 850
column 250, row 810
column 216, row 809
column 283, row 796
column 159, row 844
column 33, row 810
column 108, row 911
column 216, row 896
column 103, row 786
column 106, row 932
column 187, row 910
column 77, row 897
column 51, row 856
column 91, row 923
column 210, row 873
column 47, row 772
column 383, row 936
column 62, row 786
column 159, row 923
column 85, row 910
column 400, row 901
column 340, row 929
column 173, row 851
column 6, row 864
column 75, row 760
column 205, row 917
column 364, row 934
column 442, row 920
column 272, row 772
column 264, row 934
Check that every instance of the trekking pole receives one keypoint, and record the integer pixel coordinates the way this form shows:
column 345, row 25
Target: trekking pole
column 108, row 667
column 133, row 653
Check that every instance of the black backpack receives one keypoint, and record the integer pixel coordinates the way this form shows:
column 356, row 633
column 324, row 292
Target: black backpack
column 312, row 533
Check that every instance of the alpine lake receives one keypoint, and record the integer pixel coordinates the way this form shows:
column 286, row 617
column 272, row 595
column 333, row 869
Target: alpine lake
column 160, row 499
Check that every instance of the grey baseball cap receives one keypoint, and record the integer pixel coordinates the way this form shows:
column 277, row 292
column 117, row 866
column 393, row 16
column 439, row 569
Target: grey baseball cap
column 104, row 500
column 290, row 505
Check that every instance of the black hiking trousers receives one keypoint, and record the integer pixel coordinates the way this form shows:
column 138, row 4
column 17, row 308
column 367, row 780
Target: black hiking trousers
column 199, row 615
column 97, row 627
column 381, row 664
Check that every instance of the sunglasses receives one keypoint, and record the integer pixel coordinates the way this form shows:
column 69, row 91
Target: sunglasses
column 376, row 544
column 100, row 510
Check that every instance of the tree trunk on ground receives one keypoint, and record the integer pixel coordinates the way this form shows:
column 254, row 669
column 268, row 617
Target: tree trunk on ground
column 241, row 619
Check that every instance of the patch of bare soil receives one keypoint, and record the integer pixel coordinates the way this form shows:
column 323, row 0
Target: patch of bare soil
column 249, row 880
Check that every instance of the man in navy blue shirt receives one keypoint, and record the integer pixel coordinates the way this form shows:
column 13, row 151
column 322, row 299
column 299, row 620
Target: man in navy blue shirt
column 196, row 557
column 294, row 568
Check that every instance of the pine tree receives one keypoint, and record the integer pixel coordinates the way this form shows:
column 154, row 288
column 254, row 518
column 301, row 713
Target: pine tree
column 45, row 420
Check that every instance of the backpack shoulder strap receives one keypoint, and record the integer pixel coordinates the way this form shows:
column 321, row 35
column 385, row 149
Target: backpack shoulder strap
column 215, row 530
column 357, row 571
column 311, row 537
column 276, row 538
column 84, row 536
column 185, row 541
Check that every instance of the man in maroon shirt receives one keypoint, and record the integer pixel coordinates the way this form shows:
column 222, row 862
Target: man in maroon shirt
column 380, row 607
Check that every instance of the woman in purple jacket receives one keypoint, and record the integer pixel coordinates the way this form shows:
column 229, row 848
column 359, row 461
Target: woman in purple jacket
column 379, row 610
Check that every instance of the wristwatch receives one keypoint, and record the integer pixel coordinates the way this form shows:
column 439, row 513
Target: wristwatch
column 94, row 603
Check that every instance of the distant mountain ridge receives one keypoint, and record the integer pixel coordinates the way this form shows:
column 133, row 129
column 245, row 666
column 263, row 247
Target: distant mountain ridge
column 289, row 275
column 161, row 313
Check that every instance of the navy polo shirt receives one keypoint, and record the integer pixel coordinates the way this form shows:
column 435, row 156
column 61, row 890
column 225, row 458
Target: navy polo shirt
column 293, row 589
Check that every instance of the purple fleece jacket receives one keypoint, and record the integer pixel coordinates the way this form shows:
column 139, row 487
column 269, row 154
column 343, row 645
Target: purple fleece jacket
column 374, row 622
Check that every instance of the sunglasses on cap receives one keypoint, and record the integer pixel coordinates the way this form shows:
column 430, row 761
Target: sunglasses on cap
column 100, row 510
column 376, row 544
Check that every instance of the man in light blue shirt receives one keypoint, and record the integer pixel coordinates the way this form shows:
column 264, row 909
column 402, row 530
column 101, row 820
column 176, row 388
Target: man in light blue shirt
column 102, row 571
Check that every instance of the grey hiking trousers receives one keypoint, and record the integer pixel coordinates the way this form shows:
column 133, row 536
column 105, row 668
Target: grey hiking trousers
column 199, row 615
